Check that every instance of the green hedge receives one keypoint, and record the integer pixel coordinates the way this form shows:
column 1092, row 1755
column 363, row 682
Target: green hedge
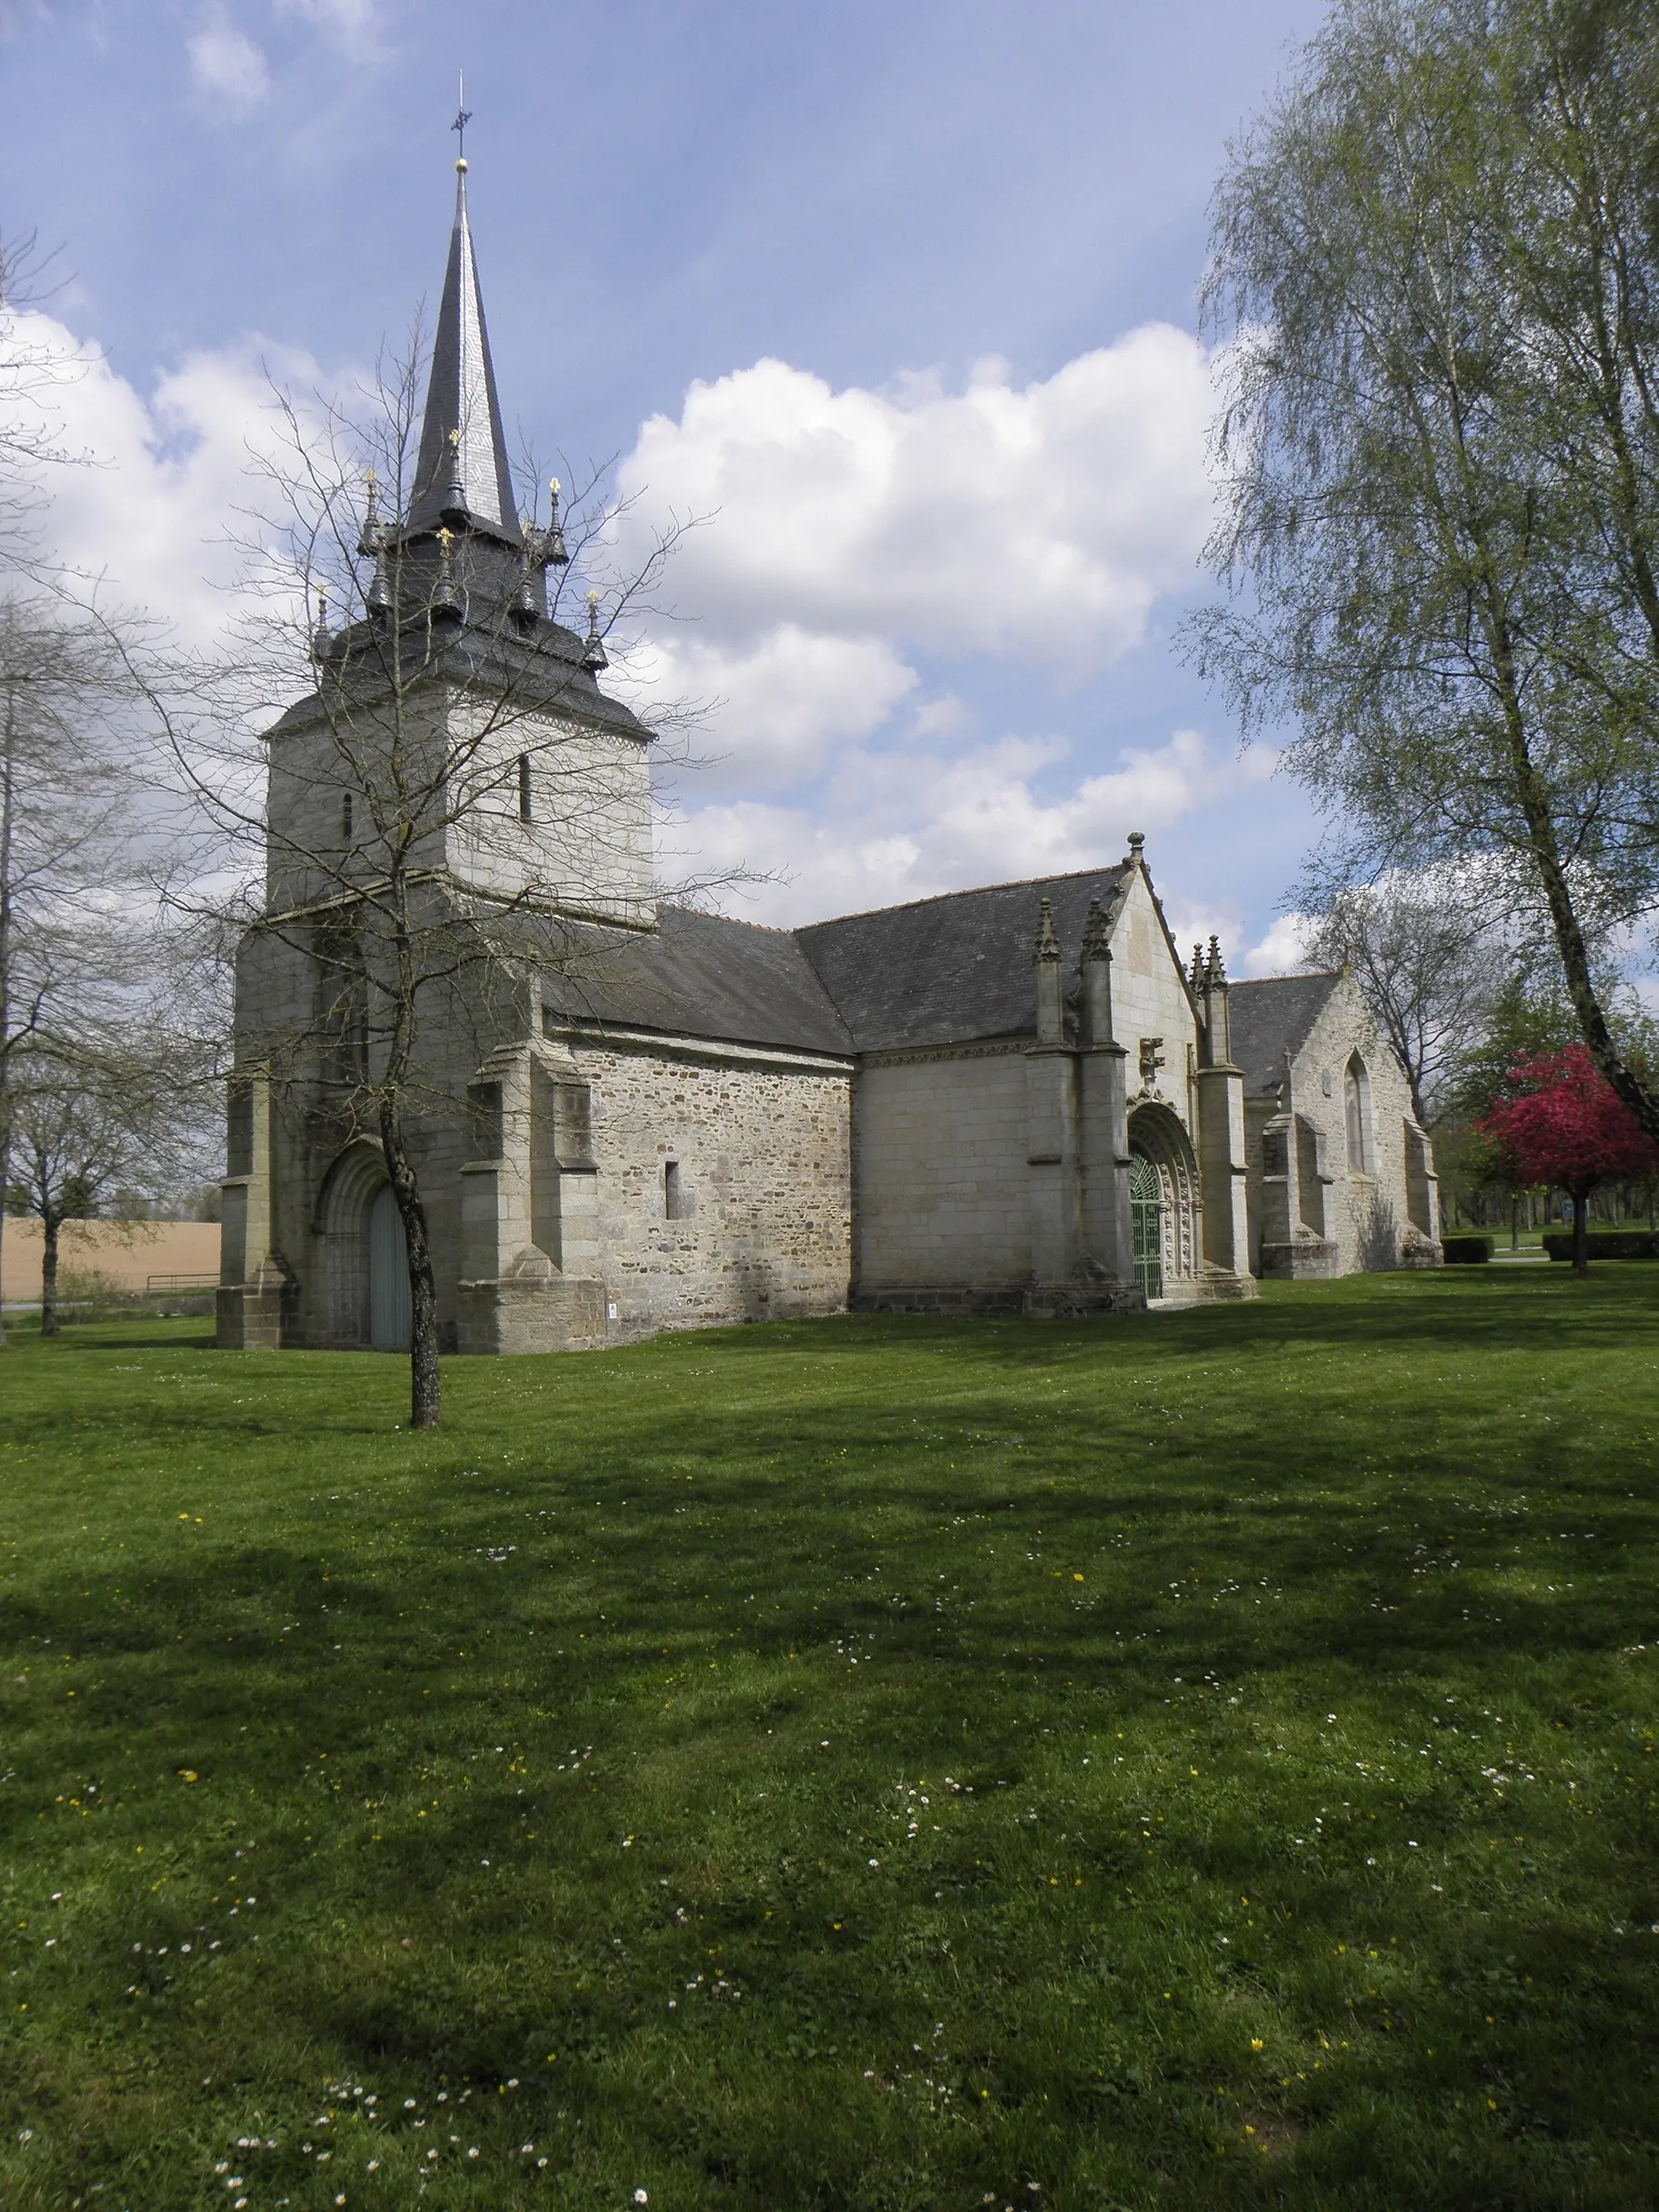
column 1606, row 1244
column 1466, row 1252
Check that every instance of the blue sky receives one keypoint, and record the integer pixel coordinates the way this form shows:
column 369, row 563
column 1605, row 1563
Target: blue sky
column 957, row 508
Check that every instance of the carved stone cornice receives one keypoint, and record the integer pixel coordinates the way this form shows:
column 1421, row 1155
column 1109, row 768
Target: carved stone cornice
column 997, row 1049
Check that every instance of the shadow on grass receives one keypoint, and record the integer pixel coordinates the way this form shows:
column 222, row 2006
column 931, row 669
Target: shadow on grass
column 120, row 1336
column 1160, row 1546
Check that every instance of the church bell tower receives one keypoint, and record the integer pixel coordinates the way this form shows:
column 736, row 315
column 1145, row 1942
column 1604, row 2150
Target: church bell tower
column 457, row 677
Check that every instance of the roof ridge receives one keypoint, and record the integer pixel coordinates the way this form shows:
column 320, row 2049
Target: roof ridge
column 680, row 906
column 934, row 898
column 1299, row 975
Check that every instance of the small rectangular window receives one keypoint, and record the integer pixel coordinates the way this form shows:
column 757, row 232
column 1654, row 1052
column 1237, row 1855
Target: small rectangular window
column 675, row 1194
column 523, row 787
column 345, row 816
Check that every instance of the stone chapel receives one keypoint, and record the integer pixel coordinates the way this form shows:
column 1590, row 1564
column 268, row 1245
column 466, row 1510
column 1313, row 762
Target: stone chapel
column 1019, row 1100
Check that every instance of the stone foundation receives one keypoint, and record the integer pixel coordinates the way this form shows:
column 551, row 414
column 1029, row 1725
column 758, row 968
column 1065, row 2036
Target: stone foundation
column 1032, row 1301
column 1303, row 1260
column 955, row 1299
column 1215, row 1286
column 254, row 1316
column 524, row 1314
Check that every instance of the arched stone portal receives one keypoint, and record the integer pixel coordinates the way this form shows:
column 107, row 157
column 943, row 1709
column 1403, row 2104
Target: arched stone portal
column 1146, row 1221
column 1164, row 1205
column 342, row 1226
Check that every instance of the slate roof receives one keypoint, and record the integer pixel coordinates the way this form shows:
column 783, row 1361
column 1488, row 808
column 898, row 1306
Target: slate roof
column 1271, row 1019
column 702, row 976
column 541, row 671
column 463, row 474
column 954, row 969
column 463, row 446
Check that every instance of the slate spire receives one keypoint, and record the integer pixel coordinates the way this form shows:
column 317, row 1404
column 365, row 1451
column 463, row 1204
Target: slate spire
column 462, row 476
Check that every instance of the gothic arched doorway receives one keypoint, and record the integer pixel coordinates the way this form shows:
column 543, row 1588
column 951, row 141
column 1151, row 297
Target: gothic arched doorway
column 1163, row 1205
column 389, row 1317
column 1146, row 1219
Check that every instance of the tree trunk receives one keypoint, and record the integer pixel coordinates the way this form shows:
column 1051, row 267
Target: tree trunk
column 1575, row 964
column 8, row 827
column 426, row 1387
column 1543, row 848
column 1581, row 1250
column 50, row 1224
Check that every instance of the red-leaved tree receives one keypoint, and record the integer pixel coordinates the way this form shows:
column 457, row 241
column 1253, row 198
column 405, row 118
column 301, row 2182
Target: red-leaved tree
column 1560, row 1122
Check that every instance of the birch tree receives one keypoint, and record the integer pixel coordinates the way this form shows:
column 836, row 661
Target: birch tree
column 1436, row 275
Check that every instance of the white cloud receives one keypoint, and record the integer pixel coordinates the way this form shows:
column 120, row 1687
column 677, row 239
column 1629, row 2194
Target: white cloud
column 1283, row 951
column 849, row 531
column 777, row 704
column 154, row 509
column 1041, row 521
column 354, row 24
column 906, row 825
column 940, row 717
column 228, row 67
column 858, row 531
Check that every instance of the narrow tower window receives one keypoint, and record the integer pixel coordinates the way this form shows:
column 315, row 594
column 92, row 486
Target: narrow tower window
column 523, row 787
column 346, row 816
column 676, row 1198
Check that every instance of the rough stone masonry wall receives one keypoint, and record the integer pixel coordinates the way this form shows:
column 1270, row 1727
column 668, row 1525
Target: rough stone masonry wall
column 764, row 1222
column 1367, row 1213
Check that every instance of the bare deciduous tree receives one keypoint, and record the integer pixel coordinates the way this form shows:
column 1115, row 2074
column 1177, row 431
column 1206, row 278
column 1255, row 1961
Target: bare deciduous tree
column 404, row 767
column 82, row 1131
column 32, row 371
column 1431, row 954
column 77, row 938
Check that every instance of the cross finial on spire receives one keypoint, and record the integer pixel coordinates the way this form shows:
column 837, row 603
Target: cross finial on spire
column 461, row 475
column 445, row 599
column 592, row 652
column 462, row 117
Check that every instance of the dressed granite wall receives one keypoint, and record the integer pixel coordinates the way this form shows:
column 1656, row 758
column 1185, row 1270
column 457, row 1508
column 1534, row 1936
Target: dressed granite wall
column 299, row 1208
column 941, row 1142
column 1152, row 1015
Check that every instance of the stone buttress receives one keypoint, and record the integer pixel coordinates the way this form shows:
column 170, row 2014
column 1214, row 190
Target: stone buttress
column 1077, row 1137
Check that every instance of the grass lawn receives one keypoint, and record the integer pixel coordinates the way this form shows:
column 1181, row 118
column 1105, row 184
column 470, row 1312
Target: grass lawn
column 1198, row 1761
